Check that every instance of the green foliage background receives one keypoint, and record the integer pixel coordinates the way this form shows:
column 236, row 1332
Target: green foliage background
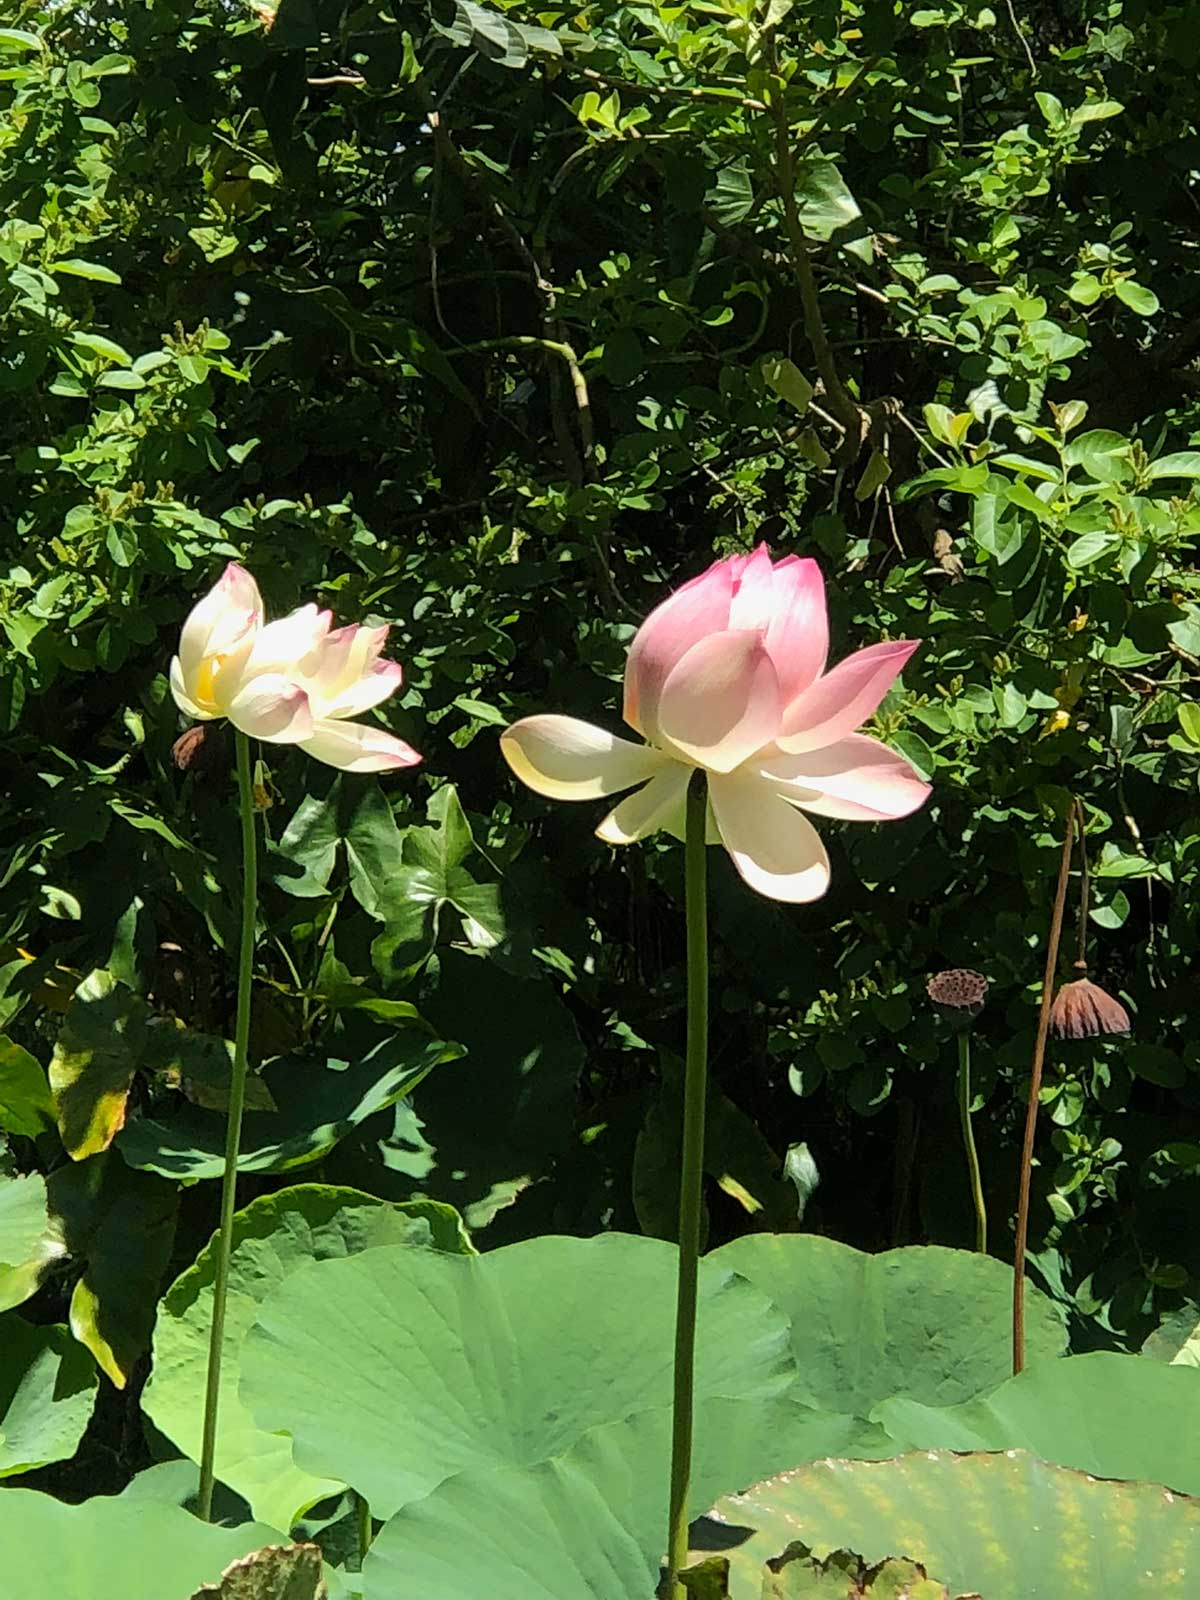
column 493, row 324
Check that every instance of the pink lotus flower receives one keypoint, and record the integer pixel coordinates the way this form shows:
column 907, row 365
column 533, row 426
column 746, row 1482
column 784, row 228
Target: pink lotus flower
column 293, row 681
column 729, row 675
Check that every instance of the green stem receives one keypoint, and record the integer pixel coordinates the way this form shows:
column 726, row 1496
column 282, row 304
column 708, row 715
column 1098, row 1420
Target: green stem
column 365, row 1527
column 233, row 1133
column 690, row 1196
column 968, row 1133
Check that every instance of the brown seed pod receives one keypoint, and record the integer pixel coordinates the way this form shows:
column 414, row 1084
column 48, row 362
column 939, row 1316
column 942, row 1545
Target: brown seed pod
column 959, row 993
column 1083, row 1010
column 200, row 749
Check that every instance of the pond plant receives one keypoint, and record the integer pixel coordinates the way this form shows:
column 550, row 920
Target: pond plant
column 773, row 425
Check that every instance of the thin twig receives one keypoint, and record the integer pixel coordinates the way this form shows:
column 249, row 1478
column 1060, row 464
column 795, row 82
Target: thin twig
column 566, row 354
column 891, row 516
column 673, row 91
column 922, row 440
column 1085, row 886
column 825, row 417
column 1035, row 1089
column 840, row 401
column 581, row 466
column 1012, row 17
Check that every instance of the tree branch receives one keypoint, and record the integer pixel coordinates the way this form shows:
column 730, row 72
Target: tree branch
column 841, row 402
column 673, row 91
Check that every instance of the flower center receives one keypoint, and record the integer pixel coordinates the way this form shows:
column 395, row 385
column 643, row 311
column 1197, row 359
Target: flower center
column 204, row 688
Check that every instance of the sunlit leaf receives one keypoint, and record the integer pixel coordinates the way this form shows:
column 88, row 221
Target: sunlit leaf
column 275, row 1236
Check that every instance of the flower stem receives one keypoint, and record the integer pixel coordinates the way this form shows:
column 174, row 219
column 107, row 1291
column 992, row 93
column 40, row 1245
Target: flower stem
column 365, row 1527
column 695, row 1092
column 233, row 1133
column 968, row 1133
column 1035, row 1089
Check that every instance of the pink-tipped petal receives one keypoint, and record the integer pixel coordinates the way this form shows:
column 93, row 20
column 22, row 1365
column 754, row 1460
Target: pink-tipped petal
column 753, row 587
column 721, row 702
column 785, row 601
column 380, row 680
column 357, row 747
column 843, row 699
column 273, row 708
column 566, row 759
column 698, row 608
column 224, row 619
column 797, row 636
column 858, row 779
column 290, row 645
column 649, row 808
column 774, row 847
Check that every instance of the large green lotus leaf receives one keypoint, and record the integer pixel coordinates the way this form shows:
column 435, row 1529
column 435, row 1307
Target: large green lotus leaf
column 112, row 1549
column 318, row 1104
column 1005, row 1526
column 280, row 1572
column 842, row 1575
column 396, row 1369
column 273, row 1238
column 1113, row 1415
column 589, row 1523
column 923, row 1321
column 47, row 1386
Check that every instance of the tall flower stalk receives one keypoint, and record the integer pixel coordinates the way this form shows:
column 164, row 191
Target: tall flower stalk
column 1035, row 1089
column 295, row 681
column 695, row 1095
column 959, row 995
column 233, row 1132
column 968, row 1134
column 747, row 732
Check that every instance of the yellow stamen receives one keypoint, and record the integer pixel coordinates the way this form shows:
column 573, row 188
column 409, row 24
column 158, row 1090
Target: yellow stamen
column 204, row 692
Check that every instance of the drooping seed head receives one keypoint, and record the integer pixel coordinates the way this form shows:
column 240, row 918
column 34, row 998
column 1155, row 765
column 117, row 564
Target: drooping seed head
column 1083, row 1010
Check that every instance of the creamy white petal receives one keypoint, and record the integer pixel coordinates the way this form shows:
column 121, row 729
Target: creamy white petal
column 379, row 681
column 774, row 847
column 290, row 645
column 273, row 708
column 182, row 699
column 721, row 703
column 858, row 779
column 661, row 801
column 676, row 823
column 357, row 747
column 566, row 759
column 344, row 657
column 230, row 611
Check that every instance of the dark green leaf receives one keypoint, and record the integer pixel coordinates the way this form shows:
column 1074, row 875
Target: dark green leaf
column 26, row 1104
column 319, row 1102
